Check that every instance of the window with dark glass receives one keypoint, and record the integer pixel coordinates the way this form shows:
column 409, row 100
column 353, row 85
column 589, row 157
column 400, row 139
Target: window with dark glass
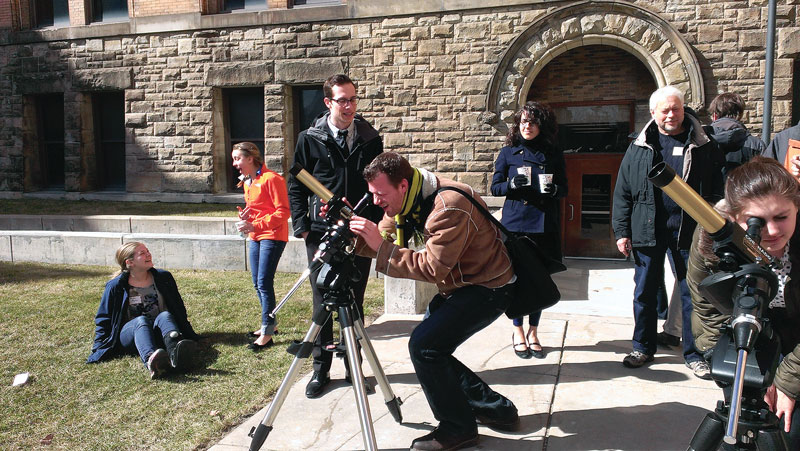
column 50, row 130
column 244, row 5
column 244, row 119
column 109, row 10
column 308, row 104
column 109, row 128
column 50, row 13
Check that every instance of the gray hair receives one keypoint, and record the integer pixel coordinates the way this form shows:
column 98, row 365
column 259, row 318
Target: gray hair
column 663, row 93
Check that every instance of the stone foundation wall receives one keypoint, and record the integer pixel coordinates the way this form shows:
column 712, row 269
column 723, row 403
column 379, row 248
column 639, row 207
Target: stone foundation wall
column 425, row 80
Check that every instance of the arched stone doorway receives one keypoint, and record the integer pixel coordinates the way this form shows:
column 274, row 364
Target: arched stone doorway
column 596, row 63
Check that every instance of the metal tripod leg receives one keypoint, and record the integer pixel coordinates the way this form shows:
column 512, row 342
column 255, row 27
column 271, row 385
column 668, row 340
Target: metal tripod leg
column 393, row 403
column 357, row 377
column 259, row 433
column 709, row 434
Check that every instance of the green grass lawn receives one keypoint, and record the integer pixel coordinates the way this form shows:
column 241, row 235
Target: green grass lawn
column 47, row 323
column 96, row 207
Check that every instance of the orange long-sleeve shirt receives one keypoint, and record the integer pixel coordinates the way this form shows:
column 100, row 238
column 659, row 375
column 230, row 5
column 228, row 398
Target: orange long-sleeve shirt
column 268, row 200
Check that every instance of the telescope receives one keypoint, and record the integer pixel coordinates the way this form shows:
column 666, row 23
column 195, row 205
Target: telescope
column 747, row 352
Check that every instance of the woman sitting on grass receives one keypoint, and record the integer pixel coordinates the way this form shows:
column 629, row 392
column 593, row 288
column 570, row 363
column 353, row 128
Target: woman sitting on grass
column 142, row 311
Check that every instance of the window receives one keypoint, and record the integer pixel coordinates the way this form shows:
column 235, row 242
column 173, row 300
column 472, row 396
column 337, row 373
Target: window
column 302, row 3
column 109, row 10
column 244, row 5
column 244, row 111
column 308, row 105
column 50, row 13
column 50, row 132
column 109, row 117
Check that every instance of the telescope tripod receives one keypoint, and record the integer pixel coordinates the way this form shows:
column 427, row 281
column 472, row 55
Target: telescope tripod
column 756, row 427
column 352, row 331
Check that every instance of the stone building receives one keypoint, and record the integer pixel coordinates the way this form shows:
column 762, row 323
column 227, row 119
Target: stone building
column 144, row 98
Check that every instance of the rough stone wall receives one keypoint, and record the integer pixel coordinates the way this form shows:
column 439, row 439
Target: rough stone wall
column 424, row 80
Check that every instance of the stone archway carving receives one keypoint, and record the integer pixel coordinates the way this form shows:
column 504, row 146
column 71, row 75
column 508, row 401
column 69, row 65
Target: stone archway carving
column 650, row 38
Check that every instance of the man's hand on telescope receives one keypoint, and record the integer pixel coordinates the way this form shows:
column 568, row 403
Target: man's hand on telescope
column 781, row 404
column 323, row 210
column 624, row 246
column 367, row 230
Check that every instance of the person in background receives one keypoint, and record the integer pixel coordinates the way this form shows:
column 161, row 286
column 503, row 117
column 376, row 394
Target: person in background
column 650, row 224
column 779, row 146
column 334, row 150
column 531, row 208
column 732, row 137
column 760, row 188
column 142, row 312
column 265, row 219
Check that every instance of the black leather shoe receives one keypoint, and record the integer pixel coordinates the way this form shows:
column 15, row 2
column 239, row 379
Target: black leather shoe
column 436, row 441
column 317, row 384
column 510, row 424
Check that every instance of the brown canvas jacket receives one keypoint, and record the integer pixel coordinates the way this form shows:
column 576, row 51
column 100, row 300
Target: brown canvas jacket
column 462, row 247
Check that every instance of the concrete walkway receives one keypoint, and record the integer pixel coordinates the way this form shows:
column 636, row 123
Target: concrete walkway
column 579, row 397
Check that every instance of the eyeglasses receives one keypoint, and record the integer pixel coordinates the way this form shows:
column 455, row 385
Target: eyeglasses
column 343, row 102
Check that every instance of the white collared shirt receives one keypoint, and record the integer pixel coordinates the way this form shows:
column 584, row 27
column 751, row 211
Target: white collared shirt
column 351, row 136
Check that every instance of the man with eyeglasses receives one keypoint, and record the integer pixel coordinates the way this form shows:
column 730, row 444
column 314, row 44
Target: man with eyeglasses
column 335, row 150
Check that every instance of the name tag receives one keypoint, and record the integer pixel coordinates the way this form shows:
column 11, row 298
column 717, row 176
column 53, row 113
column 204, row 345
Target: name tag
column 677, row 151
column 135, row 300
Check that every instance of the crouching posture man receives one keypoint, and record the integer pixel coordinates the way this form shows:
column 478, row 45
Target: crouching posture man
column 466, row 259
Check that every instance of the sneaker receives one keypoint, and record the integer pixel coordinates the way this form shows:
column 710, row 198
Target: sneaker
column 665, row 339
column 158, row 363
column 700, row 369
column 636, row 359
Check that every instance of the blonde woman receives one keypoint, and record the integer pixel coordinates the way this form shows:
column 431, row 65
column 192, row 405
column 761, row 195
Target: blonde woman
column 142, row 312
column 266, row 221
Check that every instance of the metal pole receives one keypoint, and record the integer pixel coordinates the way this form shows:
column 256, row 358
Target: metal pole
column 766, row 125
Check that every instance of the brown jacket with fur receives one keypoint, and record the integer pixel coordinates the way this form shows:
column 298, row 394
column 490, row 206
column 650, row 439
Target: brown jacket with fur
column 462, row 247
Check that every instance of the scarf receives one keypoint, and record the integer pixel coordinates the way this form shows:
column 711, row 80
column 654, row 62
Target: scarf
column 417, row 204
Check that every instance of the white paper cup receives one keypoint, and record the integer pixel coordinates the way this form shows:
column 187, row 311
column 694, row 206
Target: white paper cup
column 239, row 224
column 526, row 171
column 544, row 180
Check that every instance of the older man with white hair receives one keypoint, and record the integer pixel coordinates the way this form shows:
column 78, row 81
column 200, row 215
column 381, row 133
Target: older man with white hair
column 650, row 225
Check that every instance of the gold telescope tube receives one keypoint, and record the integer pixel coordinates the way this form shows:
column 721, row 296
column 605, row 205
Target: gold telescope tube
column 664, row 177
column 311, row 183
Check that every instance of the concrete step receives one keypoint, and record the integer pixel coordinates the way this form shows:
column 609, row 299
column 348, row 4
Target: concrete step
column 181, row 225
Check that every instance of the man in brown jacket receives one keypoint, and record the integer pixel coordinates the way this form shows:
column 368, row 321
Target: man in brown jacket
column 465, row 257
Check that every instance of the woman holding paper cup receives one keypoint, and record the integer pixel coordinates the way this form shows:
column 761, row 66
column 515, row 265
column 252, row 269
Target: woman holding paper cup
column 531, row 173
column 265, row 219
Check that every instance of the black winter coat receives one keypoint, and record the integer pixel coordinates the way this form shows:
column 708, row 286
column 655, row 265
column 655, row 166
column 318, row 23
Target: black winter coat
column 780, row 143
column 634, row 210
column 320, row 155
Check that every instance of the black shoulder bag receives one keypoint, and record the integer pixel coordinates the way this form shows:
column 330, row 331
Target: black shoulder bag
column 535, row 289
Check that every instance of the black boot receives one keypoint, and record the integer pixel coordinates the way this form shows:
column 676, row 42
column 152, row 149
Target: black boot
column 182, row 352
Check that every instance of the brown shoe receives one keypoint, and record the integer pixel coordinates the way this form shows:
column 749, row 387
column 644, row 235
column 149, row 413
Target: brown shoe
column 435, row 441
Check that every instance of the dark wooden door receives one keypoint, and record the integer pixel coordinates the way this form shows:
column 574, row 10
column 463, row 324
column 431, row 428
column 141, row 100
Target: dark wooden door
column 586, row 216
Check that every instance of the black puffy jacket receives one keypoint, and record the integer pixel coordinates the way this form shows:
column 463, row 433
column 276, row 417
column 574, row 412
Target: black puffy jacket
column 738, row 145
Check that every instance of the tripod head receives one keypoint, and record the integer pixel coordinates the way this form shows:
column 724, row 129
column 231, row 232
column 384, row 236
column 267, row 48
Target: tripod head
column 335, row 255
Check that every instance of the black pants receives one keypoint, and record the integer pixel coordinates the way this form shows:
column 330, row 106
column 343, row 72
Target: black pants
column 322, row 358
column 456, row 394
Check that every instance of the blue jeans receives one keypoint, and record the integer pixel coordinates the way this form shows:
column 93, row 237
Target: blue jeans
column 264, row 257
column 649, row 278
column 533, row 320
column 455, row 394
column 144, row 335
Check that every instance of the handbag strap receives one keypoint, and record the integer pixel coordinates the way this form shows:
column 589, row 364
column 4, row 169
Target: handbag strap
column 480, row 208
